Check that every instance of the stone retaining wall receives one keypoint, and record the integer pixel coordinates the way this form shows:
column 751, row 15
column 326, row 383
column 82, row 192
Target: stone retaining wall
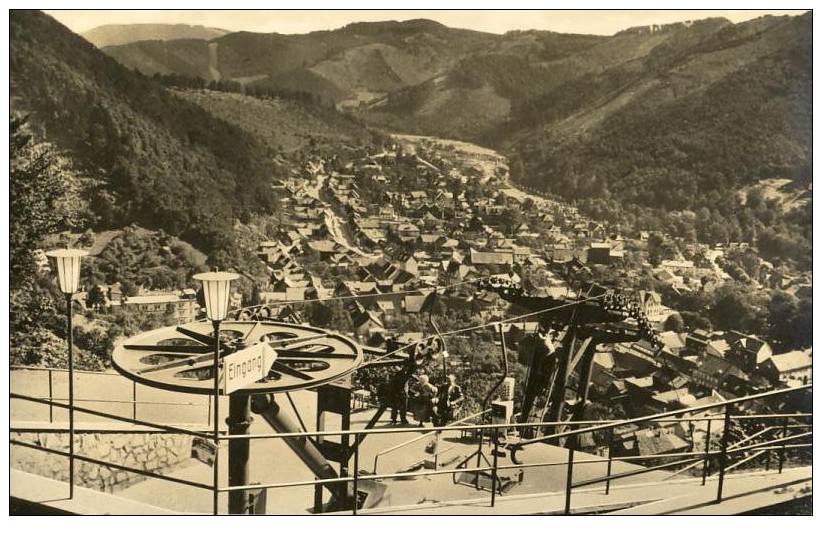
column 154, row 452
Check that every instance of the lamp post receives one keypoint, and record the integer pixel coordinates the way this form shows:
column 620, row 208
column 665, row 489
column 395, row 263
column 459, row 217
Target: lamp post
column 68, row 275
column 216, row 293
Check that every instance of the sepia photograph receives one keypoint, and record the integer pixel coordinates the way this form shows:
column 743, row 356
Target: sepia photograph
column 410, row 262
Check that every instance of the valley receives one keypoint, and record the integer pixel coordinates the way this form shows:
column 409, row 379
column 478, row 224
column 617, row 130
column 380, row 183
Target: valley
column 230, row 161
column 570, row 229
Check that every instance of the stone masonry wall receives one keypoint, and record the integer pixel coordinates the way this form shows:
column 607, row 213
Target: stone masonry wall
column 154, row 452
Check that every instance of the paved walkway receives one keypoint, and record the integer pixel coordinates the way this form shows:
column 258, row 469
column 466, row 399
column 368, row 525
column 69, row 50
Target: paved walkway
column 742, row 493
column 48, row 496
column 272, row 461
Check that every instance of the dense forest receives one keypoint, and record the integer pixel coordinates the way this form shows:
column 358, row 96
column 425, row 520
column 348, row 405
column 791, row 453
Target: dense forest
column 677, row 164
column 158, row 160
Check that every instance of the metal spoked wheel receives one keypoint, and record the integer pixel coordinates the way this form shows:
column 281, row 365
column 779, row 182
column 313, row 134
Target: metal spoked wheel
column 181, row 358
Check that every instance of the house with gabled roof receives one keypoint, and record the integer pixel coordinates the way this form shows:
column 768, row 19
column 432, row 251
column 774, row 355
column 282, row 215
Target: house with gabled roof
column 793, row 368
column 325, row 248
column 712, row 371
column 748, row 352
column 491, row 259
column 365, row 321
column 416, row 304
column 408, row 263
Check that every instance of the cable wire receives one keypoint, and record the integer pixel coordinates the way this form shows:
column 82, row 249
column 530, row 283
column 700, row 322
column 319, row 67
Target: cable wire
column 429, row 289
column 478, row 327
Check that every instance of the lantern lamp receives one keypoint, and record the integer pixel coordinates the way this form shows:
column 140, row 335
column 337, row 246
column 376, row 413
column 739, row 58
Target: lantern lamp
column 216, row 292
column 68, row 268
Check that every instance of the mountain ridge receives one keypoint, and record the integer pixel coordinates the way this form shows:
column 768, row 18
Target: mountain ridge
column 120, row 34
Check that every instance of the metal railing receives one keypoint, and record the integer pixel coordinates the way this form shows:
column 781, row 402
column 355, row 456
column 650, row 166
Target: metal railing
column 428, row 434
column 782, row 444
column 107, row 464
column 573, row 430
column 134, row 402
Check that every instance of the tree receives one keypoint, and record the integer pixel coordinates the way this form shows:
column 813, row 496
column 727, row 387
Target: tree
column 511, row 218
column 675, row 323
column 86, row 239
column 40, row 204
column 733, row 307
column 128, row 288
column 39, row 199
column 660, row 248
column 96, row 298
column 803, row 326
column 694, row 320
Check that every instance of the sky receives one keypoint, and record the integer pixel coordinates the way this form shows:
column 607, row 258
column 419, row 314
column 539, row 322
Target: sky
column 601, row 22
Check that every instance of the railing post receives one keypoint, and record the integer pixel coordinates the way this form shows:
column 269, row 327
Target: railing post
column 208, row 417
column 706, row 465
column 479, row 456
column 356, row 473
column 216, row 431
column 71, row 396
column 723, row 459
column 782, row 449
column 134, row 399
column 494, row 473
column 610, row 460
column 51, row 397
column 570, row 476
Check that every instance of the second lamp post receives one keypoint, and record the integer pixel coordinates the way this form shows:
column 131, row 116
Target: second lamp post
column 216, row 295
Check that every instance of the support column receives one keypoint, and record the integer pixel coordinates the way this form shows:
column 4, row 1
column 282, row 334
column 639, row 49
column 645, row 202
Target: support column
column 586, row 368
column 558, row 395
column 239, row 420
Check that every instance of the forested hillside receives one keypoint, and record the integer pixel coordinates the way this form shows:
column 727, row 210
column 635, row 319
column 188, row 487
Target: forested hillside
column 281, row 124
column 684, row 133
column 158, row 160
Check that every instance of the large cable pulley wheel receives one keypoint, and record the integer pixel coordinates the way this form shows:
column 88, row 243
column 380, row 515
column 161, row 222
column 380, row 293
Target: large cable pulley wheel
column 181, row 358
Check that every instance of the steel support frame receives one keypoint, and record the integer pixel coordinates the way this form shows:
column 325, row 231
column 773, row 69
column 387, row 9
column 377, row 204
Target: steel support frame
column 239, row 420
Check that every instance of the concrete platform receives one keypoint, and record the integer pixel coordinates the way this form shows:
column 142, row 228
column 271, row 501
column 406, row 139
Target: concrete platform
column 741, row 493
column 272, row 461
column 40, row 495
column 542, row 491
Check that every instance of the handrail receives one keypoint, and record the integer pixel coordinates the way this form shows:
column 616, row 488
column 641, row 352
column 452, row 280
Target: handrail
column 745, row 460
column 92, row 412
column 512, row 425
column 569, row 487
column 781, row 440
column 595, row 425
column 609, row 425
column 416, row 439
column 651, row 417
column 32, row 427
column 63, row 370
column 425, row 473
column 130, row 402
column 133, row 402
column 344, row 432
column 702, row 460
